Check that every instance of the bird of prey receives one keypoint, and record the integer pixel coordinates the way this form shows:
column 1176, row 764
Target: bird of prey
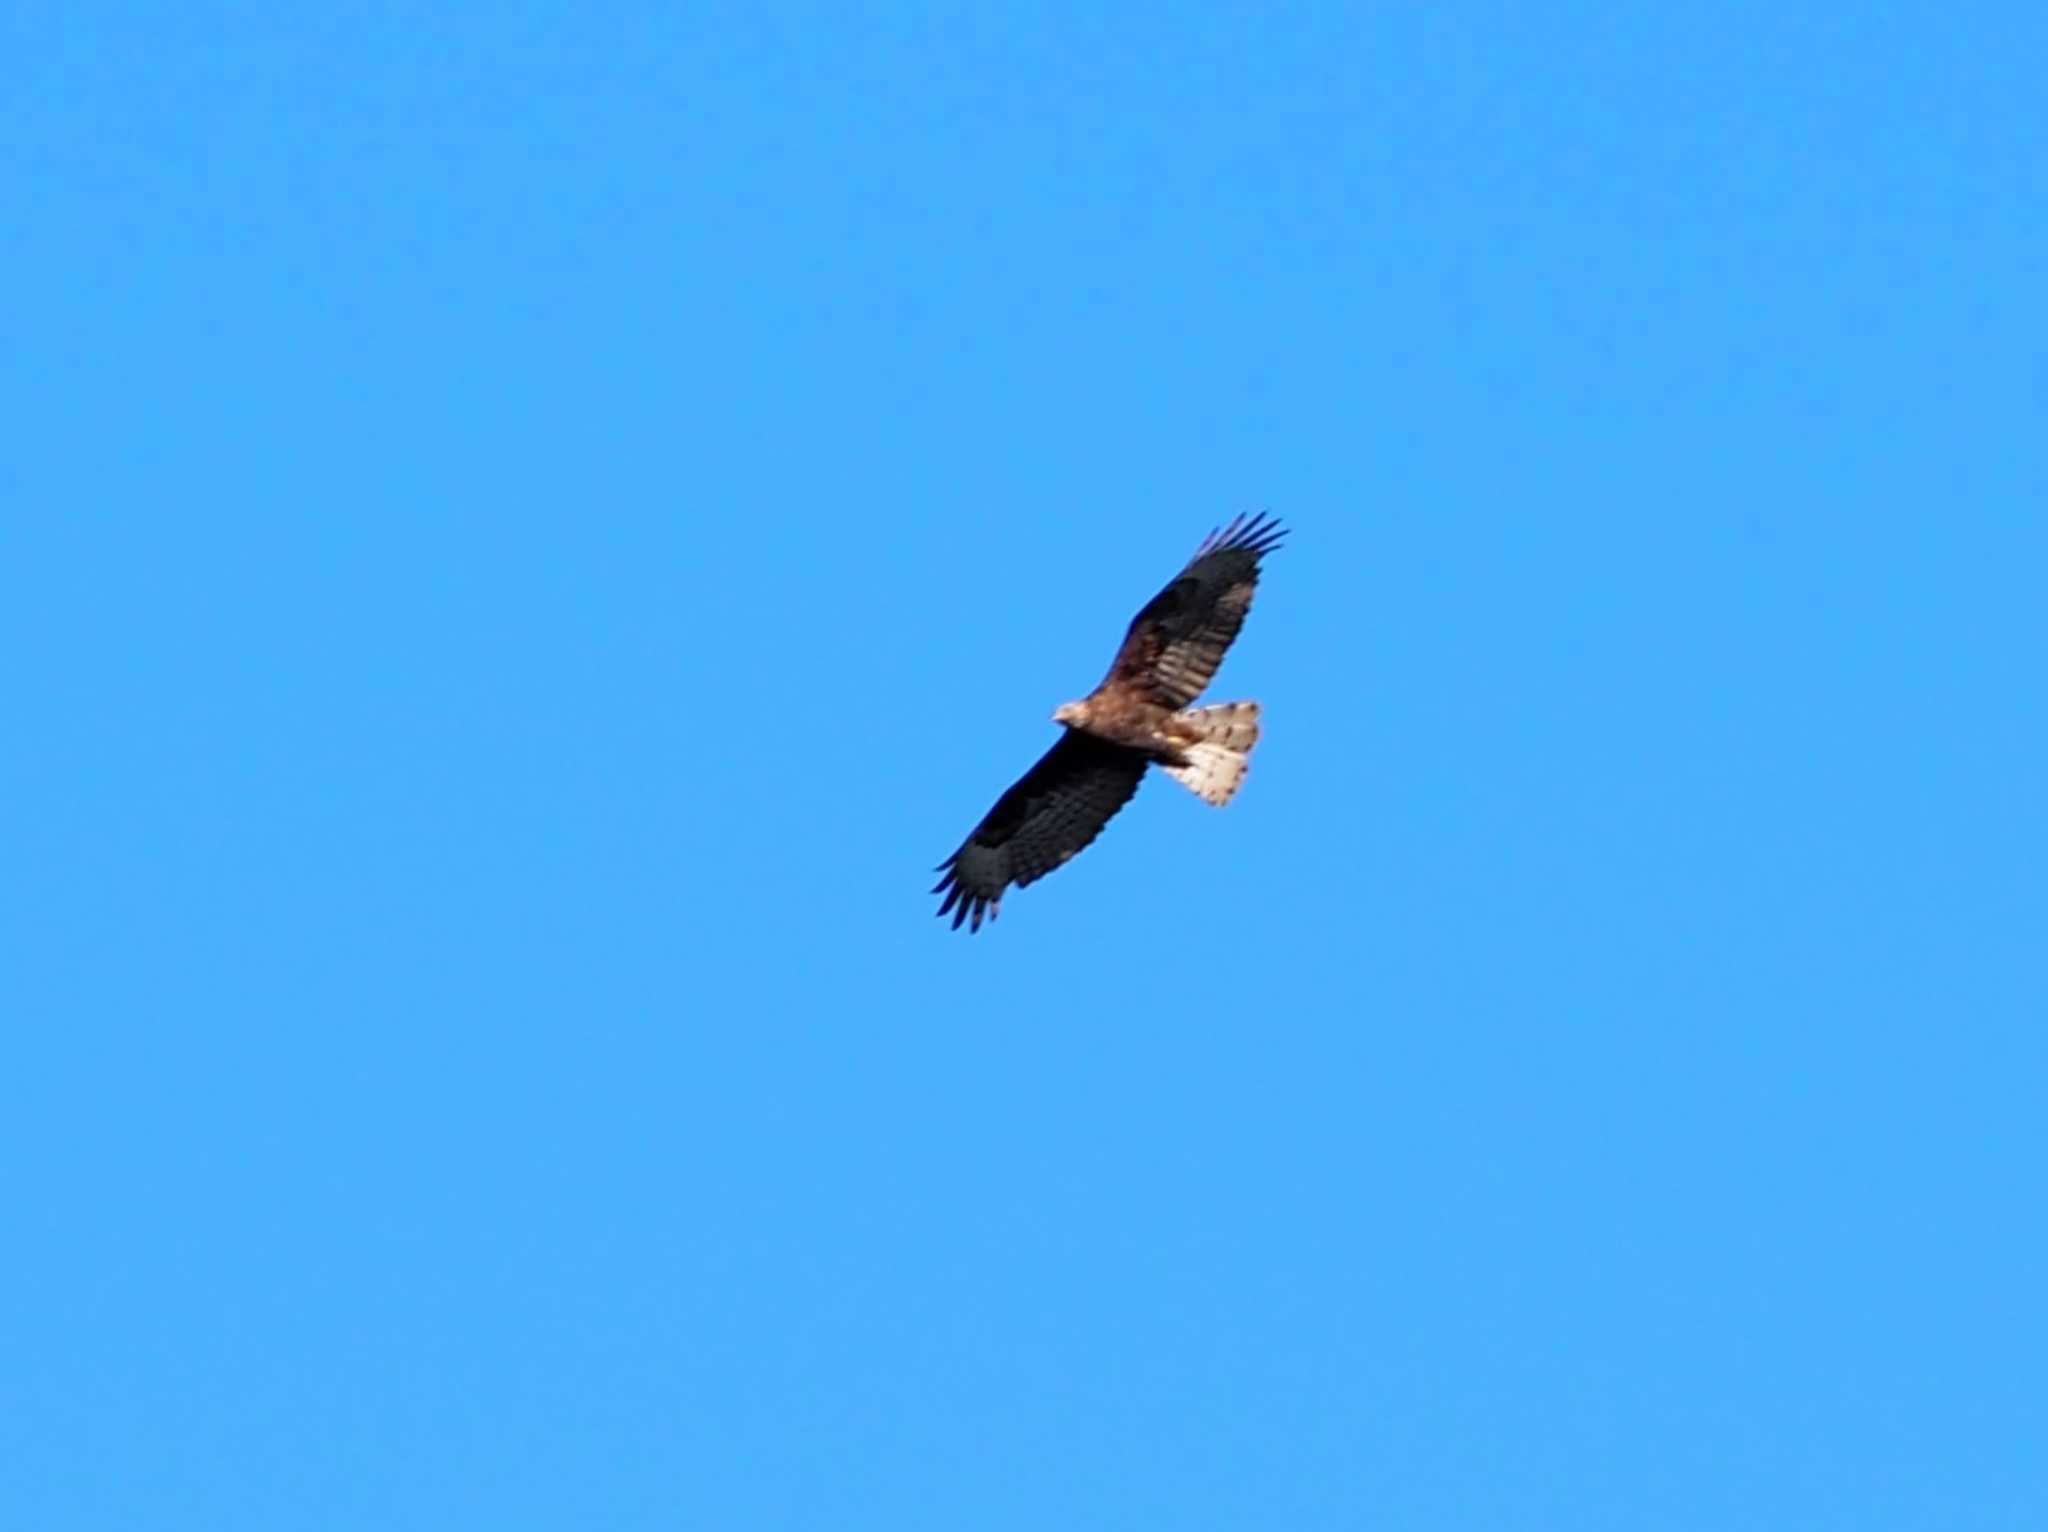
column 1138, row 717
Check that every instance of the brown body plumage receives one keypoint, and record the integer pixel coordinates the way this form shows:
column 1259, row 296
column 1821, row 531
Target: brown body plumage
column 1122, row 717
column 1139, row 716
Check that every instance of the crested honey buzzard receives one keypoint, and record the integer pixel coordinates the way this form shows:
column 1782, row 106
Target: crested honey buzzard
column 1139, row 716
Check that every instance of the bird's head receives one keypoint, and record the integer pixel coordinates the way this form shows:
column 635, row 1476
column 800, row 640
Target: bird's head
column 1072, row 714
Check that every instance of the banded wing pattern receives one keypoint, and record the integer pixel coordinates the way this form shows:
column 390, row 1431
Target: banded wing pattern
column 1178, row 640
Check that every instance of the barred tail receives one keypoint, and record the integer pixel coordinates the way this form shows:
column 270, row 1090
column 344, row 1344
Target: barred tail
column 1224, row 734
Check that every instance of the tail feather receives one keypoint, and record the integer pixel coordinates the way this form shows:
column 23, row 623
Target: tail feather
column 1223, row 735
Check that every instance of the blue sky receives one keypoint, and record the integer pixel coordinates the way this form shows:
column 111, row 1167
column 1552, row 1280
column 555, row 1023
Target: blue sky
column 534, row 527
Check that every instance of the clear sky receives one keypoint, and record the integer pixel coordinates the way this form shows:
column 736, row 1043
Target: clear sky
column 531, row 528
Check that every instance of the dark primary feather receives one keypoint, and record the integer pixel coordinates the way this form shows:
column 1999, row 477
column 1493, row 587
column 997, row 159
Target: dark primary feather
column 1176, row 642
column 1055, row 808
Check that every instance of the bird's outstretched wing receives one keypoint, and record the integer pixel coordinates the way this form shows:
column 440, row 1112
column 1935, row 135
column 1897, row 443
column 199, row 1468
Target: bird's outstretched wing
column 1053, row 810
column 1179, row 638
